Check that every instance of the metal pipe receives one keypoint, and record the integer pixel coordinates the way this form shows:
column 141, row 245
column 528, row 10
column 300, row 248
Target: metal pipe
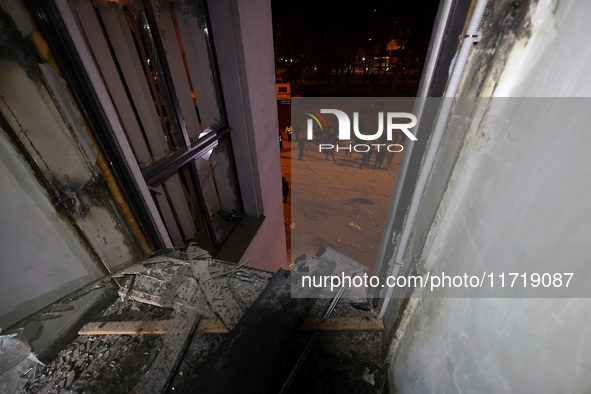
column 437, row 41
column 444, row 112
column 311, row 342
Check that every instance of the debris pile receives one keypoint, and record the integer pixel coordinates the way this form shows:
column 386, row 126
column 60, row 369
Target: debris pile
column 196, row 300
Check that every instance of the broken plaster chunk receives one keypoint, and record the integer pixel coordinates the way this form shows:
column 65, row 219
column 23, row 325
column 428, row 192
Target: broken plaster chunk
column 195, row 253
column 352, row 224
column 201, row 269
column 369, row 377
column 159, row 286
column 164, row 260
column 217, row 293
column 185, row 292
column 70, row 378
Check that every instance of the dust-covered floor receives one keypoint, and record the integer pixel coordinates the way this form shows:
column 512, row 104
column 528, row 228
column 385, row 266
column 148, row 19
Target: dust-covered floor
column 340, row 362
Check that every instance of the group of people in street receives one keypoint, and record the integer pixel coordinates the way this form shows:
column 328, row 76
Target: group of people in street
column 289, row 131
column 382, row 157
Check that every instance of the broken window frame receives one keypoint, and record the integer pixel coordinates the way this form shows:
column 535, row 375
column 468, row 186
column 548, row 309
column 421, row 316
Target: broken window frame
column 190, row 145
column 50, row 23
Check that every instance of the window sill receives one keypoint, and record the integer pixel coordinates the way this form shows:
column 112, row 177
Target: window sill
column 239, row 240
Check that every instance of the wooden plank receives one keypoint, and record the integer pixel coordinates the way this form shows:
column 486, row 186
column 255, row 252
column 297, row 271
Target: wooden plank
column 206, row 326
column 125, row 327
column 342, row 324
column 211, row 326
column 215, row 326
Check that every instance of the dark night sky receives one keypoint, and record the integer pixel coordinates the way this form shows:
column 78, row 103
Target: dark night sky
column 330, row 33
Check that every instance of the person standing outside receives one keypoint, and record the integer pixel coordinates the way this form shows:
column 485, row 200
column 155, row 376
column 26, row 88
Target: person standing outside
column 348, row 152
column 397, row 139
column 366, row 157
column 348, row 144
column 285, row 187
column 301, row 148
column 380, row 153
column 389, row 159
column 330, row 138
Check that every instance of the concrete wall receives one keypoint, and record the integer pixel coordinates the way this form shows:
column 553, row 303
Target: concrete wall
column 518, row 197
column 53, row 134
column 61, row 227
column 243, row 38
column 41, row 259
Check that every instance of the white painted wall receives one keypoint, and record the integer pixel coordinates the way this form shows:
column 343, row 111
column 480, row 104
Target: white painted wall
column 53, row 134
column 41, row 260
column 43, row 257
column 518, row 197
column 243, row 37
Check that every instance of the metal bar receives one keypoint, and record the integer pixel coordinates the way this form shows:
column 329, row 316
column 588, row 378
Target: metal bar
column 457, row 17
column 162, row 170
column 178, row 74
column 106, row 63
column 199, row 69
column 311, row 342
column 134, row 75
column 167, row 216
column 169, row 89
column 441, row 53
column 211, row 53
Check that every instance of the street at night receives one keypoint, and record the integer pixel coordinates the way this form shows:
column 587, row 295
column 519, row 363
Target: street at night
column 334, row 203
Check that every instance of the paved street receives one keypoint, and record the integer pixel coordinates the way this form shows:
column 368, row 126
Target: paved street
column 335, row 203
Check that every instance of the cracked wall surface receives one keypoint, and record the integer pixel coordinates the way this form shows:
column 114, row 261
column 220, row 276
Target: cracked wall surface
column 517, row 198
column 62, row 226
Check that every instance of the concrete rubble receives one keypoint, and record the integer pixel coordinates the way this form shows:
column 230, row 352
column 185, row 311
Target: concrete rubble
column 184, row 287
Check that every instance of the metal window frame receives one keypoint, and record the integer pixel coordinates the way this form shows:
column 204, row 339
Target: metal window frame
column 51, row 25
column 47, row 16
column 167, row 167
column 432, row 85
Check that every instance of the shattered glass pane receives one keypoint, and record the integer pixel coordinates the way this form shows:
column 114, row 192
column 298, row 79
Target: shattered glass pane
column 18, row 365
column 192, row 30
